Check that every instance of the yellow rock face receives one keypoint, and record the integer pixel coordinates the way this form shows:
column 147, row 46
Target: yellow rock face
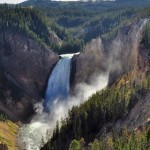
column 8, row 134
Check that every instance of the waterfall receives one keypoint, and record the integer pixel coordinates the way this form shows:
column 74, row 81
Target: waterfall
column 59, row 82
column 58, row 85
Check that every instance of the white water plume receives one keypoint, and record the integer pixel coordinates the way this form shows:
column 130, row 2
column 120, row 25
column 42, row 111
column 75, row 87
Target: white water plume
column 30, row 136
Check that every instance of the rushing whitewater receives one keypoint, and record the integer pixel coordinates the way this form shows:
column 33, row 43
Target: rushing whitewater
column 58, row 83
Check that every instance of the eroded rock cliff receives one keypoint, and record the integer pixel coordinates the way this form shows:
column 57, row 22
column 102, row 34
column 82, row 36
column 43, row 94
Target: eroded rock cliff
column 125, row 50
column 24, row 68
column 89, row 62
column 117, row 56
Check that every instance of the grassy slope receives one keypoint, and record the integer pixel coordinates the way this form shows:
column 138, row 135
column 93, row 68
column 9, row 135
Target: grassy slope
column 8, row 134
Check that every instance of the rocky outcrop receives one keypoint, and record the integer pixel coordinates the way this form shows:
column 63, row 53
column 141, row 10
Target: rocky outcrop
column 144, row 59
column 55, row 40
column 140, row 114
column 89, row 62
column 144, row 52
column 24, row 68
column 124, row 50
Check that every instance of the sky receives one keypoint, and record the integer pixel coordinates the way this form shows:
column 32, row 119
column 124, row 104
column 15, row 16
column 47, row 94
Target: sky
column 11, row 1
column 19, row 1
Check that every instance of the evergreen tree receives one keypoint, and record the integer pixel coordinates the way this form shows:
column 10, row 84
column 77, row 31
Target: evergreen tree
column 75, row 145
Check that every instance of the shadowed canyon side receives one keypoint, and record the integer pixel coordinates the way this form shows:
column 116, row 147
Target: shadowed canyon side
column 24, row 69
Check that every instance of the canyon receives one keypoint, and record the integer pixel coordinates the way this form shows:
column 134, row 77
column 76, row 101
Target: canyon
column 47, row 94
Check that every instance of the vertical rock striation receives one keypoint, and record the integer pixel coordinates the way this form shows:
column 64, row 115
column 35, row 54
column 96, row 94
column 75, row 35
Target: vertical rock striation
column 24, row 68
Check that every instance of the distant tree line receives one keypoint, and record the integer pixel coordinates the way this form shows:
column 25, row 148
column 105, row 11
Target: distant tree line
column 74, row 26
column 27, row 21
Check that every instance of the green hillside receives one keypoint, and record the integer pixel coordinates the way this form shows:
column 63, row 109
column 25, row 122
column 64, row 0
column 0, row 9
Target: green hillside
column 27, row 21
column 77, row 23
column 74, row 25
column 100, row 110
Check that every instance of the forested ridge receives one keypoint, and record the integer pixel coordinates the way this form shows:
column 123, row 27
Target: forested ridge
column 27, row 21
column 78, row 25
column 75, row 25
column 85, row 122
